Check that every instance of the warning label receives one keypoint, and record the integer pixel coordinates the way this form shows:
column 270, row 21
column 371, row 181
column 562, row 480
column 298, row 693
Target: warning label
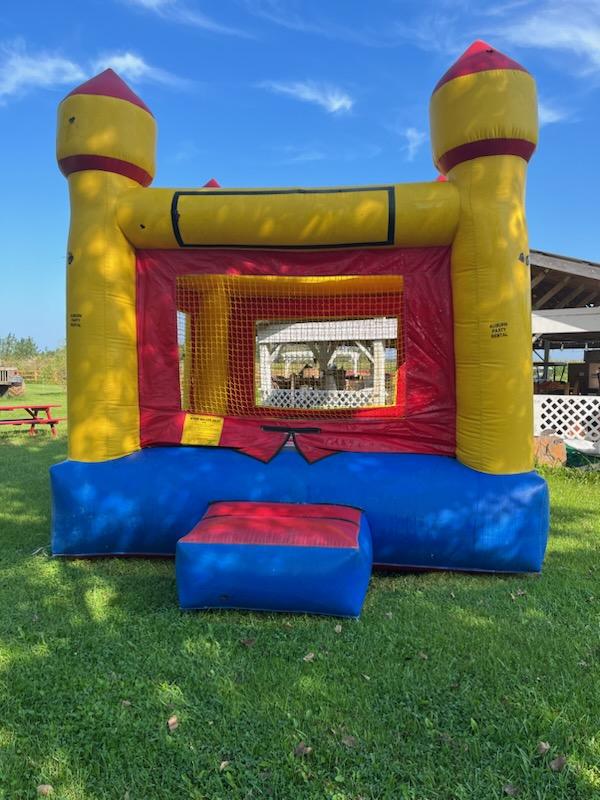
column 201, row 429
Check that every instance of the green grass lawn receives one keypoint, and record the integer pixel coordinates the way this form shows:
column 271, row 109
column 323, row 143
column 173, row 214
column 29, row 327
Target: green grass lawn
column 443, row 689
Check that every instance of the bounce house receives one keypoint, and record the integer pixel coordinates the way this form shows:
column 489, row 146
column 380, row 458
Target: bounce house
column 362, row 347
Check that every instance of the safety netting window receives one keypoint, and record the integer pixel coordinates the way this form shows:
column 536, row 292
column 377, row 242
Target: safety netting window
column 287, row 346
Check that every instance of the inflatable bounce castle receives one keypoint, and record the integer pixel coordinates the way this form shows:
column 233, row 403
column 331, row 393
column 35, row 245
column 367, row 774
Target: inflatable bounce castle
column 364, row 347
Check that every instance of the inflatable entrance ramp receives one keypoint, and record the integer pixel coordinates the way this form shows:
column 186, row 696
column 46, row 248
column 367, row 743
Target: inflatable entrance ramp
column 276, row 557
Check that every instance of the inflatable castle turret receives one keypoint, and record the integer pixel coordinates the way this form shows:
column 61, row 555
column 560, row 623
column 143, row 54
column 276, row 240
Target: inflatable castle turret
column 105, row 146
column 188, row 309
column 484, row 130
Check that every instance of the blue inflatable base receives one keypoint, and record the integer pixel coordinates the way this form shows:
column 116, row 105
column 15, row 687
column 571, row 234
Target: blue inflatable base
column 428, row 512
column 309, row 580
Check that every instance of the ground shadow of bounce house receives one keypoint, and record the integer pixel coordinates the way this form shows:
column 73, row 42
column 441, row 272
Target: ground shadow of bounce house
column 284, row 387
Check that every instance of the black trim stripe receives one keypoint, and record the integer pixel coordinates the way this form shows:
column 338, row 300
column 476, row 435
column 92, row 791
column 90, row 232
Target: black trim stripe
column 287, row 429
column 324, row 246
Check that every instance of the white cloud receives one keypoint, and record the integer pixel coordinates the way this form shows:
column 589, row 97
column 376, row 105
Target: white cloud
column 499, row 10
column 549, row 113
column 134, row 68
column 448, row 26
column 295, row 16
column 20, row 71
column 570, row 26
column 414, row 140
column 285, row 15
column 328, row 97
column 175, row 11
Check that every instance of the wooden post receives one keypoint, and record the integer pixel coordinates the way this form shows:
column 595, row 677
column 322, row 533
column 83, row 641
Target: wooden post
column 379, row 371
column 265, row 371
column 546, row 359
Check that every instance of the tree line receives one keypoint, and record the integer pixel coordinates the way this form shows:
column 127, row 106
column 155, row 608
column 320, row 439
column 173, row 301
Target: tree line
column 33, row 362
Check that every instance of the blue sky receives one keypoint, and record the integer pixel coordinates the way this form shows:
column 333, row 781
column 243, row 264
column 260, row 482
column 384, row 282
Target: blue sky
column 280, row 93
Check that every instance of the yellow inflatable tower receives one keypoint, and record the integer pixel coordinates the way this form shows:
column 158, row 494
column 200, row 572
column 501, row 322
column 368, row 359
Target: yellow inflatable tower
column 105, row 146
column 484, row 130
column 180, row 301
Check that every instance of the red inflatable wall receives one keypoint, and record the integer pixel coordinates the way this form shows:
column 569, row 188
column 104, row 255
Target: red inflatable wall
column 421, row 421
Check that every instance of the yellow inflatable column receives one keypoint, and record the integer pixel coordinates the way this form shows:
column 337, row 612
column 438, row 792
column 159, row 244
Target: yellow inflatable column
column 484, row 130
column 209, row 351
column 105, row 146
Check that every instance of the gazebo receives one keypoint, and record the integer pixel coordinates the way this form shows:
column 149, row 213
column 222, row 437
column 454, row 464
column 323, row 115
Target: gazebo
column 566, row 316
column 325, row 343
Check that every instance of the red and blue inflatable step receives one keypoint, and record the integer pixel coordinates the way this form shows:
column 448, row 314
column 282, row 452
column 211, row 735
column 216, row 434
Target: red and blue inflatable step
column 295, row 557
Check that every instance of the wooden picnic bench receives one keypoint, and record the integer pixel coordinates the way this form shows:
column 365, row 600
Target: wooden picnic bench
column 34, row 416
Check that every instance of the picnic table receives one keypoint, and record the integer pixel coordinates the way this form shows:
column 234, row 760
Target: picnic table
column 33, row 416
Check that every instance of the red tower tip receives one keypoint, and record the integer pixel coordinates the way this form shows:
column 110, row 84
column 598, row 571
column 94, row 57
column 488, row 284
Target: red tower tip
column 213, row 183
column 479, row 57
column 109, row 84
column 478, row 46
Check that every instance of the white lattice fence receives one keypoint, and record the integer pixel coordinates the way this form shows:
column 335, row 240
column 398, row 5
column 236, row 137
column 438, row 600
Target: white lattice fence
column 319, row 398
column 572, row 417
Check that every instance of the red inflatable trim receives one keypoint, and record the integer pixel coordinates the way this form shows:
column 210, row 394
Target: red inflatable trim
column 486, row 147
column 104, row 164
column 278, row 524
column 109, row 84
column 479, row 57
